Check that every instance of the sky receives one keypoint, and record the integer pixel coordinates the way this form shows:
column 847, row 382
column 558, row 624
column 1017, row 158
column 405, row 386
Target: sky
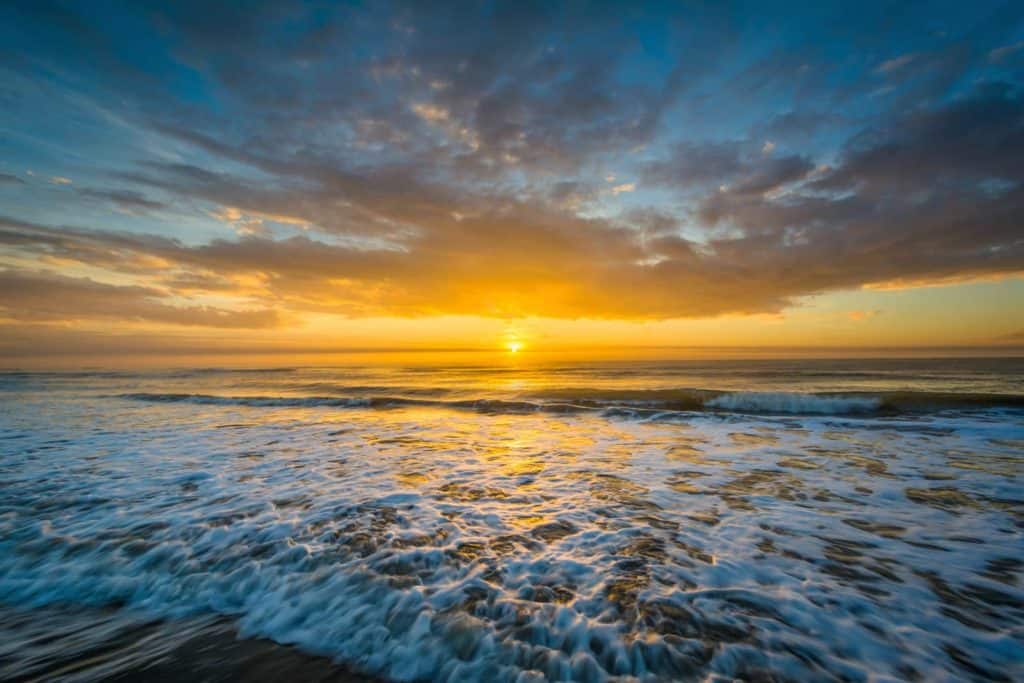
column 302, row 176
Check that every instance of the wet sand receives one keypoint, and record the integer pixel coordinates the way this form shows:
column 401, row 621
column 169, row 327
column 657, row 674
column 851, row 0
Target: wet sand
column 75, row 644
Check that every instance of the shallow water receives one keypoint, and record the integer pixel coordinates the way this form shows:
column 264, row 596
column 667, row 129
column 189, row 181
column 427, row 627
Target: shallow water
column 859, row 520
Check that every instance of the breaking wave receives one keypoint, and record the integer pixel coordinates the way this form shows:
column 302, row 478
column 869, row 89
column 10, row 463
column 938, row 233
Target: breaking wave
column 790, row 403
column 630, row 402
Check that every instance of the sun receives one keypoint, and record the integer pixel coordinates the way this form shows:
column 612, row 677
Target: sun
column 514, row 346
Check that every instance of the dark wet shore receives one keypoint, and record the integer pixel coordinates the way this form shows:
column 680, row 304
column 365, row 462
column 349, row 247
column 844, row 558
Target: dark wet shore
column 75, row 644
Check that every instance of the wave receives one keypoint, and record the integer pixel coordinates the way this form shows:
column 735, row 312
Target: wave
column 488, row 405
column 637, row 403
column 254, row 401
column 794, row 404
column 785, row 402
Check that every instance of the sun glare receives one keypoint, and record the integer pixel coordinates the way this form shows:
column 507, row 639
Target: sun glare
column 514, row 346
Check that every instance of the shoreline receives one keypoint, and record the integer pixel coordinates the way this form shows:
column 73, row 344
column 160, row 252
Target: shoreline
column 74, row 643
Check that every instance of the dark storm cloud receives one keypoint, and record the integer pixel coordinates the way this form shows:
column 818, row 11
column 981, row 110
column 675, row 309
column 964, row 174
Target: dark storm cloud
column 455, row 158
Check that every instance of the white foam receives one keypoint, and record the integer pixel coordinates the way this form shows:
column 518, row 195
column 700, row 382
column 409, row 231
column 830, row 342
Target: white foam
column 794, row 403
column 414, row 545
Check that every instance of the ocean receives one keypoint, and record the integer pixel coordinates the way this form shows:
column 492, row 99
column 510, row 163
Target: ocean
column 515, row 520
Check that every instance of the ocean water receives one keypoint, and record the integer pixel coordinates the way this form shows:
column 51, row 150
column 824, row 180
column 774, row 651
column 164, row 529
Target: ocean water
column 515, row 520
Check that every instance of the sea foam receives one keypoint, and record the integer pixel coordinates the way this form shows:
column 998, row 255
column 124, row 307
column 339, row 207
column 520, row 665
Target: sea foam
column 424, row 542
column 794, row 403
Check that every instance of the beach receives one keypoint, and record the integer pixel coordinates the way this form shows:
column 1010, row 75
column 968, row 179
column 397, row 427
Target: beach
column 680, row 520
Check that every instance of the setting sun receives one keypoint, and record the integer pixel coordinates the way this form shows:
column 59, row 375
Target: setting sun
column 514, row 346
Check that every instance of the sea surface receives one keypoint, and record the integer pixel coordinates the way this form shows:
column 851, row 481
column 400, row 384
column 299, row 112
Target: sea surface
column 515, row 520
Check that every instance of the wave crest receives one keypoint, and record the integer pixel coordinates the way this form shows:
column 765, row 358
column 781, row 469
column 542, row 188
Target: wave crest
column 627, row 404
column 794, row 403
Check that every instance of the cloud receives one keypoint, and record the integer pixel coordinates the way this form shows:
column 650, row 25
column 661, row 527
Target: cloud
column 895, row 64
column 1001, row 53
column 431, row 113
column 496, row 255
column 129, row 201
column 697, row 164
column 941, row 177
column 740, row 167
column 517, row 84
column 39, row 296
column 912, row 199
column 60, row 180
column 963, row 143
column 368, row 168
column 7, row 178
column 797, row 127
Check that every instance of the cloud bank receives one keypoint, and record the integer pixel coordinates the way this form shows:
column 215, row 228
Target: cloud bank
column 580, row 161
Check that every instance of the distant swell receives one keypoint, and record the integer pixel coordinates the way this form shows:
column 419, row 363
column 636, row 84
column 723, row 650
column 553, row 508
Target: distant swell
column 254, row 401
column 632, row 403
